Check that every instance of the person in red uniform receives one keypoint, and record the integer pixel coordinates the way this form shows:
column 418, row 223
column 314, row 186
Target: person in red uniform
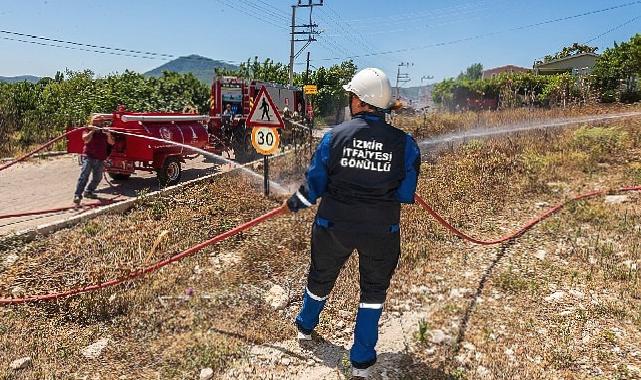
column 94, row 153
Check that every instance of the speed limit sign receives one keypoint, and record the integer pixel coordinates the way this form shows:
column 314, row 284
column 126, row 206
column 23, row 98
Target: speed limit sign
column 265, row 140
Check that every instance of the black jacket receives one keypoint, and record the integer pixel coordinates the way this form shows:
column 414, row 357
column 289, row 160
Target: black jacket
column 363, row 170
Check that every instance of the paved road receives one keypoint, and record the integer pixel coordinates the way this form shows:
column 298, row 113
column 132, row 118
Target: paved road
column 50, row 183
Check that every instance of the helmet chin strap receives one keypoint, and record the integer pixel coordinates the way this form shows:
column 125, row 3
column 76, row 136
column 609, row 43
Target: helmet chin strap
column 351, row 97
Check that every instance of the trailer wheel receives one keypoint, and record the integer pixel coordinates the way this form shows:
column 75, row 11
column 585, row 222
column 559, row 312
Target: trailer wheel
column 119, row 176
column 170, row 172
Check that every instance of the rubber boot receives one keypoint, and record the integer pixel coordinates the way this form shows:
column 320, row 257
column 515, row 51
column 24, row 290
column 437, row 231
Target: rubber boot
column 363, row 353
column 308, row 317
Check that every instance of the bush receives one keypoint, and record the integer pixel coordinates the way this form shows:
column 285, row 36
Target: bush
column 34, row 113
column 600, row 143
column 630, row 96
column 609, row 96
column 635, row 171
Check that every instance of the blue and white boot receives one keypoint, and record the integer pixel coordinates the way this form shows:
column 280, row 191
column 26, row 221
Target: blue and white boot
column 307, row 318
column 302, row 337
column 360, row 374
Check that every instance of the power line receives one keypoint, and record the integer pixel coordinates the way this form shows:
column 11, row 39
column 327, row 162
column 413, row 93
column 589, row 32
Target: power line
column 42, row 38
column 330, row 19
column 613, row 29
column 479, row 36
column 267, row 10
column 341, row 22
column 101, row 49
column 244, row 11
column 111, row 50
column 417, row 28
column 438, row 13
column 345, row 26
column 329, row 37
column 601, row 34
column 77, row 48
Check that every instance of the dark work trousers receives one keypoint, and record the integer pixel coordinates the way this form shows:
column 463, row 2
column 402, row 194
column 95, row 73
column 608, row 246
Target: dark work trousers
column 378, row 257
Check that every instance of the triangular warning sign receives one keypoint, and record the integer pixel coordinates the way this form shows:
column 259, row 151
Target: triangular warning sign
column 264, row 113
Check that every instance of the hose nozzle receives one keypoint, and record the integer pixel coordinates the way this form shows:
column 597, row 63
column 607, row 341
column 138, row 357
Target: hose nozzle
column 397, row 105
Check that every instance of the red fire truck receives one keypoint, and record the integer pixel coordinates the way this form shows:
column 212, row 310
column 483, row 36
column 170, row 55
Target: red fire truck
column 228, row 130
column 139, row 136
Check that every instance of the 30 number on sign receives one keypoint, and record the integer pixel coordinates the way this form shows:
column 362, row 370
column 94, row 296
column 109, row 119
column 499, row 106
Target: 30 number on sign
column 265, row 140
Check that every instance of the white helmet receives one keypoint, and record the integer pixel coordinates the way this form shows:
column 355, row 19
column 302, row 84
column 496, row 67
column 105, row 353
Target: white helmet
column 372, row 87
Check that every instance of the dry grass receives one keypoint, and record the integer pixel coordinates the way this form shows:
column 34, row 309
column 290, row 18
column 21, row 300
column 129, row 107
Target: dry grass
column 592, row 254
column 433, row 124
column 157, row 329
column 154, row 326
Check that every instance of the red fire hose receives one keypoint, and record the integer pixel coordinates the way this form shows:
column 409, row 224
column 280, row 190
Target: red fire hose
column 280, row 210
column 275, row 212
column 41, row 147
column 551, row 211
column 60, row 209
column 154, row 267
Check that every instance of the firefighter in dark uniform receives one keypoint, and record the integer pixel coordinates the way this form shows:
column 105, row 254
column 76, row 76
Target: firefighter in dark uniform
column 363, row 170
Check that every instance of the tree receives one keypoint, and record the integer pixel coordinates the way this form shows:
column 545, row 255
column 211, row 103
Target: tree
column 33, row 113
column 331, row 97
column 618, row 69
column 574, row 49
column 473, row 72
column 267, row 71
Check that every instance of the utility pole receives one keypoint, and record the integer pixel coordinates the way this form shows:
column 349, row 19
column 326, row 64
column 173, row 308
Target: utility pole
column 402, row 78
column 307, row 70
column 291, row 50
column 422, row 93
column 308, row 29
column 426, row 77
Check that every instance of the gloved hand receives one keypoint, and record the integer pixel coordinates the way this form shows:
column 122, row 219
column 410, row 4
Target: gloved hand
column 286, row 209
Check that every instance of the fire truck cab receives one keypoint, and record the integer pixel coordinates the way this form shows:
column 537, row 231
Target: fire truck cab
column 231, row 101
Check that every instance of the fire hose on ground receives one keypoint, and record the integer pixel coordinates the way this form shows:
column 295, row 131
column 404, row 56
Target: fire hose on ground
column 281, row 210
column 40, row 148
column 527, row 226
column 84, row 207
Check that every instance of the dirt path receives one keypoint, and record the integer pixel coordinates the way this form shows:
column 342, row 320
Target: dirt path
column 327, row 359
column 50, row 183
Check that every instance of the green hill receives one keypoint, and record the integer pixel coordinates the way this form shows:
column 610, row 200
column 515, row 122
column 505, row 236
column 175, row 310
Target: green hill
column 201, row 67
column 420, row 96
column 21, row 78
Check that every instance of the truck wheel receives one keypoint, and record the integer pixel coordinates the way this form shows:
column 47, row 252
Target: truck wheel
column 119, row 176
column 170, row 172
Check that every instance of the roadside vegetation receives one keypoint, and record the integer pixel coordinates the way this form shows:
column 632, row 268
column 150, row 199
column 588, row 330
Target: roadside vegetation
column 33, row 113
column 563, row 301
column 614, row 78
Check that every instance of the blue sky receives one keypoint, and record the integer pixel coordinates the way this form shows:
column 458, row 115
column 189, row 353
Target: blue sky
column 234, row 30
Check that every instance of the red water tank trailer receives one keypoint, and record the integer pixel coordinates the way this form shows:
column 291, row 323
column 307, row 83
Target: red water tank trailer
column 131, row 153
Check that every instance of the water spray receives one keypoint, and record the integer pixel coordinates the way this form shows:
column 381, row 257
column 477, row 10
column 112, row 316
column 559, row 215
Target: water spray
column 281, row 190
column 487, row 132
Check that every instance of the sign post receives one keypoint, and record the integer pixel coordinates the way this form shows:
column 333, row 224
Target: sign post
column 266, row 175
column 265, row 120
